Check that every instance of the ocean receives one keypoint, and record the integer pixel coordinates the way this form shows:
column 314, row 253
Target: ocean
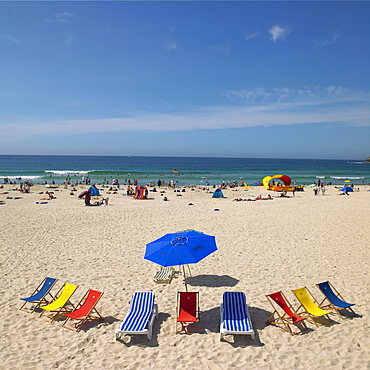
column 191, row 170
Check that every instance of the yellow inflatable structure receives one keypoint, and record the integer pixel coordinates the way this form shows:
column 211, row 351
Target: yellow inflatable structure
column 270, row 184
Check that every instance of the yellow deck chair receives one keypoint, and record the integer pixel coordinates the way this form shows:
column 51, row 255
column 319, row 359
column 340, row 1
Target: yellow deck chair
column 62, row 303
column 309, row 304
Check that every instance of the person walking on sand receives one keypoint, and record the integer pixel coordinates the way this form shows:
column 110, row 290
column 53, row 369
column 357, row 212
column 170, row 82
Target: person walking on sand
column 315, row 190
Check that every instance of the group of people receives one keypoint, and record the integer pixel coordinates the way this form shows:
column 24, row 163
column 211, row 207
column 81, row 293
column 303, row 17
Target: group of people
column 269, row 197
column 319, row 189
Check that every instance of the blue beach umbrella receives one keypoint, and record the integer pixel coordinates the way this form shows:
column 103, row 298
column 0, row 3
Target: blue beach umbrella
column 348, row 189
column 181, row 248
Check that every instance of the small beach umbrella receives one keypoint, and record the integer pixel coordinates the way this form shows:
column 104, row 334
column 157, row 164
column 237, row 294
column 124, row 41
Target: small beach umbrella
column 83, row 194
column 183, row 248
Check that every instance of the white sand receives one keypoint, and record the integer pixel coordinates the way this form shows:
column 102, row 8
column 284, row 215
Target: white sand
column 264, row 246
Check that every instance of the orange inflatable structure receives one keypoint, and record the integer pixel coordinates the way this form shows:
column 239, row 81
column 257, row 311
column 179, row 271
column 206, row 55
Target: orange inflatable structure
column 141, row 192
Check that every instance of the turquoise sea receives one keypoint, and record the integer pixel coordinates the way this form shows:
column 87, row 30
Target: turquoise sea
column 191, row 170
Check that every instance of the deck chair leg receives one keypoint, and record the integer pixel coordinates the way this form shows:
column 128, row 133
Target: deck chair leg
column 270, row 319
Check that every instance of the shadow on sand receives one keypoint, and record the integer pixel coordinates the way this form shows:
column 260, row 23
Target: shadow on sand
column 214, row 281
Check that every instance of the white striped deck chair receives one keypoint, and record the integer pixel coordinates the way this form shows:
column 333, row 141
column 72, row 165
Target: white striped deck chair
column 164, row 275
column 140, row 318
column 234, row 315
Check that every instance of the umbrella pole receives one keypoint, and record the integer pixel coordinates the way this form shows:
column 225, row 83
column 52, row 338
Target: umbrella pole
column 186, row 286
column 189, row 271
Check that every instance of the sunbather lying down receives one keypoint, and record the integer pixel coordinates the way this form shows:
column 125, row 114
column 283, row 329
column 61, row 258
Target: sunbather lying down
column 103, row 202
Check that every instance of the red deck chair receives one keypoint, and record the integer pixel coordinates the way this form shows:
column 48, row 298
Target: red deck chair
column 84, row 309
column 187, row 310
column 288, row 318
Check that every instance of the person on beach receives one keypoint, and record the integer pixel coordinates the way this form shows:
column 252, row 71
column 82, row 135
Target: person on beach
column 87, row 197
column 103, row 202
column 315, row 190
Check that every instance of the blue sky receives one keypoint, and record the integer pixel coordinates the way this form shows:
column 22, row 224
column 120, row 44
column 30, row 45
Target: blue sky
column 176, row 78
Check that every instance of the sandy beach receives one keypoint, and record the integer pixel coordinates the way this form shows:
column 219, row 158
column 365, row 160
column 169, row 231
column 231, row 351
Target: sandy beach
column 264, row 246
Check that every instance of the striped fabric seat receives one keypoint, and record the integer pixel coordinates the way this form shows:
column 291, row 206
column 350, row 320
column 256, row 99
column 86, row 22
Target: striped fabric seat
column 164, row 275
column 140, row 318
column 234, row 315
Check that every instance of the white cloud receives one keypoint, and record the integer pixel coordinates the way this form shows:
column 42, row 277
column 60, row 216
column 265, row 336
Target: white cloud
column 60, row 17
column 221, row 48
column 262, row 96
column 329, row 40
column 11, row 38
column 279, row 33
column 331, row 105
column 251, row 36
column 69, row 39
column 171, row 45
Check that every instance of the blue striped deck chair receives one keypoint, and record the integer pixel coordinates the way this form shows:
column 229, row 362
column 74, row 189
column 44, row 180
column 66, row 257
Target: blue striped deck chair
column 40, row 294
column 235, row 318
column 140, row 318
column 333, row 299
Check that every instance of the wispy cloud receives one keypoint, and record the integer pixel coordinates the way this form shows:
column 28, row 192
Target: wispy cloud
column 172, row 45
column 262, row 96
column 330, row 105
column 11, row 38
column 251, row 36
column 328, row 40
column 60, row 17
column 69, row 39
column 279, row 33
column 221, row 48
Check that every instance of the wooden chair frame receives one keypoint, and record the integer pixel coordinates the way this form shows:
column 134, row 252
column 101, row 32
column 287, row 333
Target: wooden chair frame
column 284, row 319
column 305, row 312
column 329, row 304
column 88, row 316
column 185, row 324
column 65, row 308
column 41, row 301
